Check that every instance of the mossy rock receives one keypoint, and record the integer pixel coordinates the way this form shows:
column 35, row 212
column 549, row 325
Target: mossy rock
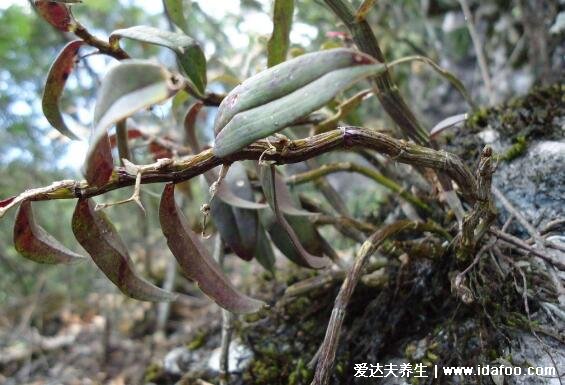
column 512, row 126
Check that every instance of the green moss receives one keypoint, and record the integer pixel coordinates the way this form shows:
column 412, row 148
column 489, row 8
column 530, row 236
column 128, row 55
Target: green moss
column 198, row 341
column 520, row 120
column 517, row 149
column 153, row 373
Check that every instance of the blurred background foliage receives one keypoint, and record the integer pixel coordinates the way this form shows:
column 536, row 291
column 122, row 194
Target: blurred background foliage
column 234, row 35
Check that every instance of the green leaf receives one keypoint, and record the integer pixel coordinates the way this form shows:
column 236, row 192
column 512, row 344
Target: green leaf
column 280, row 38
column 127, row 88
column 188, row 51
column 285, row 231
column 196, row 262
column 237, row 182
column 175, row 10
column 57, row 14
column 233, row 211
column 99, row 238
column 275, row 115
column 56, row 80
column 286, row 203
column 264, row 253
column 36, row 244
column 283, row 79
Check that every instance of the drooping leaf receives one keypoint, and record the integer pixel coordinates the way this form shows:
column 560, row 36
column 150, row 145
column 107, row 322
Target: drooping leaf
column 175, row 10
column 224, row 220
column 127, row 88
column 99, row 162
column 301, row 255
column 56, row 80
column 286, row 203
column 280, row 38
column 98, row 236
column 235, row 225
column 188, row 51
column 6, row 202
column 133, row 133
column 264, row 253
column 56, row 13
column 36, row 244
column 266, row 119
column 190, row 126
column 448, row 122
column 196, row 262
column 237, row 182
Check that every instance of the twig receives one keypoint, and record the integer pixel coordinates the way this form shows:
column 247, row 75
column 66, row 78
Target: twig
column 477, row 223
column 385, row 89
column 478, row 49
column 523, row 245
column 227, row 322
column 167, row 170
column 518, row 215
column 331, row 339
column 366, row 171
column 164, row 308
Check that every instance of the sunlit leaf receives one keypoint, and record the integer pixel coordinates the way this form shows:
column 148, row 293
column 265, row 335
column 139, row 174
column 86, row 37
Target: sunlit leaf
column 127, row 88
column 175, row 10
column 280, row 38
column 283, row 79
column 98, row 236
column 196, row 262
column 36, row 244
column 56, row 13
column 275, row 114
column 447, row 123
column 56, row 80
column 188, row 51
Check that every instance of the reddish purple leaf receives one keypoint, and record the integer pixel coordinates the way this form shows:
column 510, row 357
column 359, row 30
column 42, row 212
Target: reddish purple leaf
column 131, row 86
column 100, row 163
column 36, row 244
column 56, row 80
column 57, row 14
column 196, row 262
column 7, row 201
column 100, row 239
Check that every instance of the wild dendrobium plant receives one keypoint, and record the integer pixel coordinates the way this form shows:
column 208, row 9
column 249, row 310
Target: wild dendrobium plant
column 248, row 126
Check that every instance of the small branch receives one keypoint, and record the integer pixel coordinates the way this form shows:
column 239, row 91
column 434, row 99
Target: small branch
column 385, row 89
column 478, row 49
column 331, row 339
column 115, row 51
column 524, row 246
column 227, row 322
column 103, row 46
column 326, row 169
column 478, row 221
column 286, row 152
